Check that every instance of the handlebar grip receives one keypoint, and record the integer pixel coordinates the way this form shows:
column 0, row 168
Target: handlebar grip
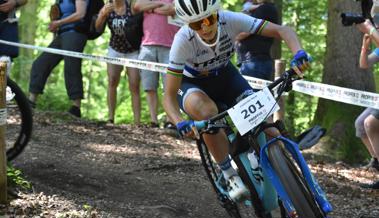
column 288, row 73
column 200, row 124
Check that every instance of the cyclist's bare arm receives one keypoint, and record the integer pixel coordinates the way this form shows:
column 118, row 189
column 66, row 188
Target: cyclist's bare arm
column 282, row 32
column 170, row 102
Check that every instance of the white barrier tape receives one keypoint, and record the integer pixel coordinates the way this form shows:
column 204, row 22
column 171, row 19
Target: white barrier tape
column 257, row 83
column 335, row 93
column 145, row 65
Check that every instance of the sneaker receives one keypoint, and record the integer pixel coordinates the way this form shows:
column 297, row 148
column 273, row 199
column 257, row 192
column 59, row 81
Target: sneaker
column 169, row 125
column 374, row 185
column 75, row 111
column 154, row 125
column 374, row 163
column 236, row 189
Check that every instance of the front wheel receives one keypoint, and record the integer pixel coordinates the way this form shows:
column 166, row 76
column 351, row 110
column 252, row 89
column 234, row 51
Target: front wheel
column 19, row 122
column 292, row 181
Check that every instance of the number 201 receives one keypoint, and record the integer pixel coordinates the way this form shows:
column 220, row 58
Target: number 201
column 251, row 109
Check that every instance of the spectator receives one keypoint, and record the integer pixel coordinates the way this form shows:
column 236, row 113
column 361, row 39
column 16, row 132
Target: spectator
column 367, row 124
column 156, row 43
column 9, row 26
column 253, row 51
column 116, row 16
column 66, row 38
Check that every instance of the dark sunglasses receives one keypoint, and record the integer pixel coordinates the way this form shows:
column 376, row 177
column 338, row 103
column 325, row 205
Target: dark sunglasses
column 208, row 21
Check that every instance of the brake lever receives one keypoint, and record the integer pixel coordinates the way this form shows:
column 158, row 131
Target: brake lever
column 196, row 132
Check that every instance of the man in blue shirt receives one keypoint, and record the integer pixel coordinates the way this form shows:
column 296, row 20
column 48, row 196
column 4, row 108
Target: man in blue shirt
column 9, row 26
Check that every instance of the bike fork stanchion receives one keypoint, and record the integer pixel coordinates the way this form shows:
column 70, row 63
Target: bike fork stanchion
column 257, row 203
column 3, row 116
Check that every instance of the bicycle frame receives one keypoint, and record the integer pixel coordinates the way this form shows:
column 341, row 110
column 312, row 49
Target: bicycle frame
column 271, row 188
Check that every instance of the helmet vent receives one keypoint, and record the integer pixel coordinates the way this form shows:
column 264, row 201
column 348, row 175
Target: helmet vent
column 195, row 6
column 184, row 7
column 205, row 5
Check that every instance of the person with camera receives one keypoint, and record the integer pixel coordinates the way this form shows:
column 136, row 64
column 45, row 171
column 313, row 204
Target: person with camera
column 66, row 37
column 116, row 15
column 9, row 26
column 367, row 123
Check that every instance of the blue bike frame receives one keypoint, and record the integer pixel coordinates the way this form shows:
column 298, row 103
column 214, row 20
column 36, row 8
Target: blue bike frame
column 316, row 190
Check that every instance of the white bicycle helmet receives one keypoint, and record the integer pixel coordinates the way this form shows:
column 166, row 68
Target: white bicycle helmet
column 194, row 10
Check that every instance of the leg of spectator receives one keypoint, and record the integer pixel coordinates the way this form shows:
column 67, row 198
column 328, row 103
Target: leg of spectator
column 41, row 70
column 372, row 129
column 134, row 87
column 361, row 130
column 74, row 41
column 367, row 143
column 152, row 101
column 114, row 73
column 150, row 81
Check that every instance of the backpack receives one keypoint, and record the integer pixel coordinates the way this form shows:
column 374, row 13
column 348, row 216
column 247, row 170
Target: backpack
column 87, row 24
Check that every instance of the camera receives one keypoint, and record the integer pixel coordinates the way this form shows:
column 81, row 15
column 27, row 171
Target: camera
column 349, row 19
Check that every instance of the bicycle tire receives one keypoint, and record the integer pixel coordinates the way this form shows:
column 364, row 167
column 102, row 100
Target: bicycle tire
column 212, row 171
column 294, row 186
column 235, row 210
column 19, row 122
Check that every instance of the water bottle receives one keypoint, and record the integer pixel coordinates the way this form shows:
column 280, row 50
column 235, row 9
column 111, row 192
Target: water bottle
column 254, row 163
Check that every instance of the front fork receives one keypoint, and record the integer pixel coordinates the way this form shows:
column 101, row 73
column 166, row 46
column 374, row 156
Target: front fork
column 315, row 188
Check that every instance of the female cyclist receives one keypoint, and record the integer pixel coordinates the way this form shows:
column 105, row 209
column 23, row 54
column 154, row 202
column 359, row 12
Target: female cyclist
column 200, row 73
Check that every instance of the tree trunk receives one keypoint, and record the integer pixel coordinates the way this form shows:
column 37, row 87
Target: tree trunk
column 342, row 69
column 27, row 34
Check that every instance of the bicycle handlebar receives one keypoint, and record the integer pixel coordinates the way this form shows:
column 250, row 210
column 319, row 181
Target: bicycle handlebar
column 202, row 124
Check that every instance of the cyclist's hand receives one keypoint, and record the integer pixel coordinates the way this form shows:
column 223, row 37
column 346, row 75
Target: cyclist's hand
column 301, row 62
column 185, row 128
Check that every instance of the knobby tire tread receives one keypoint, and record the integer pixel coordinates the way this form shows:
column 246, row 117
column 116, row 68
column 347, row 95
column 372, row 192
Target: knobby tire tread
column 26, row 121
column 294, row 187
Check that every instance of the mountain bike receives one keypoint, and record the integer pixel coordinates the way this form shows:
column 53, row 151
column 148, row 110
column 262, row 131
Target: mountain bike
column 274, row 172
column 19, row 120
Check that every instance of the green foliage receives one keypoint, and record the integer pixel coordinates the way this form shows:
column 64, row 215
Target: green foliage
column 308, row 19
column 15, row 179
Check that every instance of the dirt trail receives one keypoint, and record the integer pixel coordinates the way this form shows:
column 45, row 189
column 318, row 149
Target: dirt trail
column 125, row 171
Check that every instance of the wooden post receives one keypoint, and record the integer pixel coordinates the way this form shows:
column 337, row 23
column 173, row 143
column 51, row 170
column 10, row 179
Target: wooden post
column 280, row 67
column 3, row 158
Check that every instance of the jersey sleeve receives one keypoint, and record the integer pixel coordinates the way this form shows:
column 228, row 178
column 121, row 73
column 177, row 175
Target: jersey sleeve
column 178, row 56
column 240, row 22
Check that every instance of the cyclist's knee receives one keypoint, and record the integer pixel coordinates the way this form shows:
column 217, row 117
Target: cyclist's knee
column 200, row 107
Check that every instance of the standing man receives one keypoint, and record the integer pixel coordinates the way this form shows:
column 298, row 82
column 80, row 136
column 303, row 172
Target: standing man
column 66, row 38
column 9, row 26
column 156, row 43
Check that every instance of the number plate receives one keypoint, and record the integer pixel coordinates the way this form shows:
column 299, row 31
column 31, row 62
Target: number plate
column 251, row 111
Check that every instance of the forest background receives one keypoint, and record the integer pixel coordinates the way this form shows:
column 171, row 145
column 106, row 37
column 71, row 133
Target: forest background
column 334, row 48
